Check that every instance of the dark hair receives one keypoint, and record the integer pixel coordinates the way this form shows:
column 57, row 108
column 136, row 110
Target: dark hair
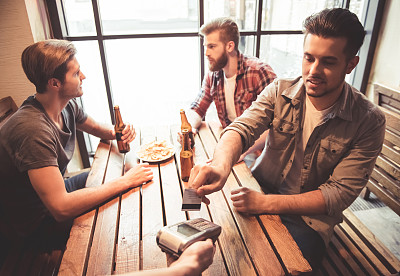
column 47, row 59
column 337, row 23
column 228, row 28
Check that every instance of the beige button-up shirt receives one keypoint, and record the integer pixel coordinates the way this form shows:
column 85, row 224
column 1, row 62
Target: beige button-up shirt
column 340, row 153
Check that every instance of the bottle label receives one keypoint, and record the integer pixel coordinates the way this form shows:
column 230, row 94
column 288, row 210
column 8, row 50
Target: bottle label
column 118, row 135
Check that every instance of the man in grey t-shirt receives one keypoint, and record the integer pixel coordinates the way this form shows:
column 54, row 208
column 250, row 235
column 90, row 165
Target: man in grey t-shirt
column 37, row 143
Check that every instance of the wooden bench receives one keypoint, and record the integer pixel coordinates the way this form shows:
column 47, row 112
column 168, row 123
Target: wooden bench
column 354, row 249
column 7, row 108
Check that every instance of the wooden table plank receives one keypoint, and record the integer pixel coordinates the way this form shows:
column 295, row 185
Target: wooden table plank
column 74, row 258
column 279, row 235
column 234, row 250
column 127, row 256
column 101, row 257
column 152, row 214
column 171, row 189
column 218, row 265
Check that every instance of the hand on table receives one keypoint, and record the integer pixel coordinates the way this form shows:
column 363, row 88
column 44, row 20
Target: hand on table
column 207, row 179
column 139, row 174
column 196, row 258
column 248, row 201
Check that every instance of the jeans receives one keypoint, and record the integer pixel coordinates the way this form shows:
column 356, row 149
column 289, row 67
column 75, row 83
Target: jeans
column 309, row 241
column 76, row 182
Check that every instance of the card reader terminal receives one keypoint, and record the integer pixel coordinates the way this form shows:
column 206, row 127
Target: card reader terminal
column 177, row 237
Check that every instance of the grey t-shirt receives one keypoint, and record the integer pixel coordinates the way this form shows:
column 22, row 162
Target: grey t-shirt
column 30, row 140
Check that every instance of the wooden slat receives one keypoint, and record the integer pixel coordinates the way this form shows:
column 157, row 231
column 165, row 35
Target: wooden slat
column 13, row 256
column 346, row 257
column 390, row 184
column 327, row 268
column 26, row 260
column 127, row 256
column 337, row 262
column 218, row 265
column 350, row 244
column 170, row 182
column 385, row 164
column 102, row 252
column 234, row 251
column 75, row 255
column 248, row 225
column 391, row 153
column 384, row 196
column 7, row 108
column 281, row 238
column 368, row 241
column 152, row 216
column 53, row 264
column 392, row 138
column 380, row 89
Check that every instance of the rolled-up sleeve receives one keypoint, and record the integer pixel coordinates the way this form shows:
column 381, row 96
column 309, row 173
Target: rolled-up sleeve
column 204, row 98
column 352, row 173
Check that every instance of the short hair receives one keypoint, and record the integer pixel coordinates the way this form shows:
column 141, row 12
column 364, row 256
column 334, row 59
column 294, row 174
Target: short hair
column 47, row 59
column 228, row 28
column 337, row 22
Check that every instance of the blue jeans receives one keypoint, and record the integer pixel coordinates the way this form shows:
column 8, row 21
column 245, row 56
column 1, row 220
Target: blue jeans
column 76, row 182
column 309, row 241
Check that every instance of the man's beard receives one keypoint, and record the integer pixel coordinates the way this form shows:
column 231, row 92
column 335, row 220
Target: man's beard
column 219, row 63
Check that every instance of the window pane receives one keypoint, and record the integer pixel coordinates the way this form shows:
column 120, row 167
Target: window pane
column 290, row 14
column 94, row 97
column 243, row 12
column 153, row 78
column 283, row 53
column 79, row 17
column 357, row 7
column 150, row 16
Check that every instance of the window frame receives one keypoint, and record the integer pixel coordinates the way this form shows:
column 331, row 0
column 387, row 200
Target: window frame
column 371, row 19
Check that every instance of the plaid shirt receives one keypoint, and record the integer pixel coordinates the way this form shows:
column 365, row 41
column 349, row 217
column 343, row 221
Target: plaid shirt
column 252, row 77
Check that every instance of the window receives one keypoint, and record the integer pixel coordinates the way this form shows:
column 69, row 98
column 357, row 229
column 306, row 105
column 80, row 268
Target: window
column 147, row 57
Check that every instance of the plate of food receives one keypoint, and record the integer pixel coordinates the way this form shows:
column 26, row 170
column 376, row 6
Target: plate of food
column 156, row 151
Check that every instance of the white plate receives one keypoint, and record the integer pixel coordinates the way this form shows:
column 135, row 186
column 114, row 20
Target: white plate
column 167, row 145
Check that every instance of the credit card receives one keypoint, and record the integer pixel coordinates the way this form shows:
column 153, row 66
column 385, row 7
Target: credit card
column 191, row 201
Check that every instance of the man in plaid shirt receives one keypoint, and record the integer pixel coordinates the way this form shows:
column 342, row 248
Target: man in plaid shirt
column 234, row 80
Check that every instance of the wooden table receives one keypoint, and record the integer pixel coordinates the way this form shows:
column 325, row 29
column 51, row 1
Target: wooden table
column 120, row 235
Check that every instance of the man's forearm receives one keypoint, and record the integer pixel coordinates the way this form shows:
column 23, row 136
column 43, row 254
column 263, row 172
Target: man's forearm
column 310, row 203
column 228, row 150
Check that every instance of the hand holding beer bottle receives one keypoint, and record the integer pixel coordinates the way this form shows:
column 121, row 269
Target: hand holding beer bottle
column 123, row 147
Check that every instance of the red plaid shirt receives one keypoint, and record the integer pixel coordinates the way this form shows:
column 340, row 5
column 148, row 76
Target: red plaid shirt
column 252, row 77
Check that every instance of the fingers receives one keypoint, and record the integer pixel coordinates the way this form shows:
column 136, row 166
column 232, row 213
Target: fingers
column 205, row 200
column 129, row 133
column 179, row 138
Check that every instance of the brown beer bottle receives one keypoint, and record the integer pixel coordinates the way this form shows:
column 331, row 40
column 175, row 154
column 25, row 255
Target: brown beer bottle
column 119, row 126
column 186, row 156
column 186, row 125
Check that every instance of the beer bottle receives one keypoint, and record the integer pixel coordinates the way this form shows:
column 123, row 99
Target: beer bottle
column 186, row 156
column 119, row 126
column 186, row 125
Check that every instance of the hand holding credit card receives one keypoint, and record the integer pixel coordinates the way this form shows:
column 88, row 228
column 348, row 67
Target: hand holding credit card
column 191, row 201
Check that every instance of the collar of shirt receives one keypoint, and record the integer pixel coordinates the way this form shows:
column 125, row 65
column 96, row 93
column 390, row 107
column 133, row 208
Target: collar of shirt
column 343, row 105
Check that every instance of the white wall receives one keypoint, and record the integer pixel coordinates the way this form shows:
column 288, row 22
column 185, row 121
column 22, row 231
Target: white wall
column 386, row 64
column 15, row 35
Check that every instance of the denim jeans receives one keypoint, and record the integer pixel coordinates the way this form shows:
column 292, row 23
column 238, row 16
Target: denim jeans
column 76, row 182
column 309, row 241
